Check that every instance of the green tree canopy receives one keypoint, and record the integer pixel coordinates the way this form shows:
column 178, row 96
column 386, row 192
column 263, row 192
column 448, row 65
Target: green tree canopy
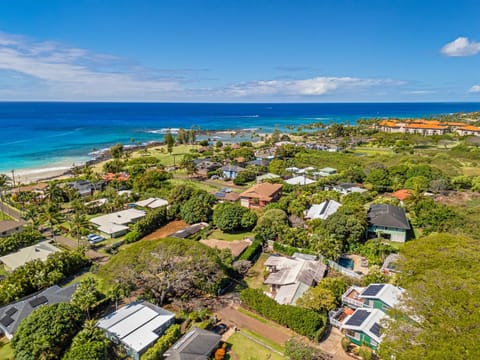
column 441, row 274
column 46, row 333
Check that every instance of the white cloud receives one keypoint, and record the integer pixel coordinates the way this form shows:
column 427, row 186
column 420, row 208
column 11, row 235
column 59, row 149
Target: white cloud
column 461, row 46
column 316, row 86
column 474, row 89
column 419, row 92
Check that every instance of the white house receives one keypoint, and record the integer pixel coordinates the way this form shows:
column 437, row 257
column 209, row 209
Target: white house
column 39, row 251
column 152, row 203
column 115, row 224
column 300, row 180
column 136, row 326
column 323, row 210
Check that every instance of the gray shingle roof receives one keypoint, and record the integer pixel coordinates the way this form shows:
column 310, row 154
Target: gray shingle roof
column 388, row 216
column 197, row 344
column 12, row 314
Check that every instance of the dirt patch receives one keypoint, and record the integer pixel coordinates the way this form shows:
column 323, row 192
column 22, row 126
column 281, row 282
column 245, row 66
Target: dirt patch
column 457, row 198
column 164, row 231
column 236, row 247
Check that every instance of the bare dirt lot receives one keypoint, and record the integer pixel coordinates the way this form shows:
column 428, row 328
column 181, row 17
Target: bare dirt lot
column 457, row 198
column 236, row 247
column 166, row 230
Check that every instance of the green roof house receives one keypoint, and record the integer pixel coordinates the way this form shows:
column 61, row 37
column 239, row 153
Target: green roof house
column 374, row 296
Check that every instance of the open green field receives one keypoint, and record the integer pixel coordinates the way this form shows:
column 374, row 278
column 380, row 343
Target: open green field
column 254, row 278
column 198, row 184
column 247, row 349
column 220, row 235
column 6, row 351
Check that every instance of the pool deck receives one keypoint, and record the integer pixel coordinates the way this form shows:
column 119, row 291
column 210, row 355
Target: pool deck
column 357, row 263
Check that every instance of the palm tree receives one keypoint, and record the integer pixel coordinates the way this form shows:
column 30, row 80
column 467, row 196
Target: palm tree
column 53, row 193
column 51, row 216
column 78, row 224
column 31, row 214
column 4, row 181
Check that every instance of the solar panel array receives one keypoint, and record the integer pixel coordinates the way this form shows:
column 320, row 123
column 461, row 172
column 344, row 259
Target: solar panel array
column 376, row 329
column 358, row 318
column 373, row 290
column 38, row 301
column 6, row 320
column 11, row 311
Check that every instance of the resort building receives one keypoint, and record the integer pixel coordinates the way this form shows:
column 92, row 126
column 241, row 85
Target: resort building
column 9, row 227
column 39, row 251
column 426, row 127
column 197, row 344
column 290, row 277
column 12, row 315
column 323, row 211
column 260, row 195
column 388, row 222
column 136, row 326
column 115, row 224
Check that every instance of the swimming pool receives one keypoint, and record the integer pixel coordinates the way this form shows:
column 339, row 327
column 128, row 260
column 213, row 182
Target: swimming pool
column 346, row 262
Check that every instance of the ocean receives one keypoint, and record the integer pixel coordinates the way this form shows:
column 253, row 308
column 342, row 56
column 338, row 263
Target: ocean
column 58, row 134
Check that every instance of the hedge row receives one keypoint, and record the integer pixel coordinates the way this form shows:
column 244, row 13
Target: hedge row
column 303, row 321
column 252, row 251
column 290, row 250
column 151, row 222
column 163, row 344
column 26, row 237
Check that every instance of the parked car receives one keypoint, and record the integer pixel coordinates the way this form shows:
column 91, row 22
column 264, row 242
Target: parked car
column 95, row 239
column 220, row 329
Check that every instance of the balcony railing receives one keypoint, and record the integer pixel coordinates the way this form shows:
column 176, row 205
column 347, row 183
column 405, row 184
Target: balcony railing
column 352, row 302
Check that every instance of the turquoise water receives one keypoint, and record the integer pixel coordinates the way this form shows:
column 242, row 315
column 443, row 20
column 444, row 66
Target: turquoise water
column 346, row 263
column 36, row 134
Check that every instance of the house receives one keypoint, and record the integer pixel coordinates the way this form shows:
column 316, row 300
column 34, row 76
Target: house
column 266, row 154
column 121, row 176
column 265, row 177
column 260, row 195
column 83, row 187
column 347, row 188
column 39, row 251
column 300, row 180
column 231, row 171
column 364, row 327
column 387, row 221
column 390, row 264
column 259, row 162
column 152, row 203
column 204, row 166
column 136, row 326
column 290, row 277
column 323, row 210
column 189, row 230
column 229, row 196
column 402, row 194
column 12, row 315
column 196, row 344
column 374, row 296
column 115, row 224
column 327, row 171
column 9, row 227
column 305, row 170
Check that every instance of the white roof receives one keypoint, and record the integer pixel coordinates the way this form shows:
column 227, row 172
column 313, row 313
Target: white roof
column 292, row 169
column 124, row 192
column 300, row 180
column 323, row 210
column 98, row 202
column 389, row 294
column 267, row 176
column 112, row 228
column 38, row 251
column 375, row 317
column 152, row 203
column 135, row 324
column 123, row 217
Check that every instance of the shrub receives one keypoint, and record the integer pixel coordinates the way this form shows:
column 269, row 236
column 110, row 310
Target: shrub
column 303, row 321
column 345, row 343
column 252, row 251
column 148, row 224
column 365, row 353
column 163, row 344
column 27, row 237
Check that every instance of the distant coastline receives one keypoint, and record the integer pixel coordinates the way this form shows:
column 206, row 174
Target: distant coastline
column 41, row 138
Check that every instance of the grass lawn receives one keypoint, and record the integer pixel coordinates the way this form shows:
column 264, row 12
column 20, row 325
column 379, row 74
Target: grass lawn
column 199, row 185
column 6, row 351
column 471, row 171
column 4, row 216
column 220, row 235
column 247, row 349
column 254, row 278
column 3, row 272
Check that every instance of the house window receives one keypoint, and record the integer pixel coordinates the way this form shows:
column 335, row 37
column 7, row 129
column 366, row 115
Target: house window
column 353, row 334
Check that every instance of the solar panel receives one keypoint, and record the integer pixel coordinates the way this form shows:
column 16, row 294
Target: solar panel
column 372, row 290
column 358, row 318
column 376, row 329
column 38, row 301
column 11, row 311
column 6, row 320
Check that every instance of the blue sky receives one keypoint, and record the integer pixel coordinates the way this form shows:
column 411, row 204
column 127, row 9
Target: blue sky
column 240, row 51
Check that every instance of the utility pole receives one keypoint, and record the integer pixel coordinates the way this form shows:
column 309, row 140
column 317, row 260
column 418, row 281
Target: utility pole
column 13, row 179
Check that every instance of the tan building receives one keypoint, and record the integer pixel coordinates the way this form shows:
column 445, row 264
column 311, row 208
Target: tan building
column 9, row 227
column 260, row 195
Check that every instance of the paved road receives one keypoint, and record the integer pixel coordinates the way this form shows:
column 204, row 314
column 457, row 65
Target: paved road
column 13, row 213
